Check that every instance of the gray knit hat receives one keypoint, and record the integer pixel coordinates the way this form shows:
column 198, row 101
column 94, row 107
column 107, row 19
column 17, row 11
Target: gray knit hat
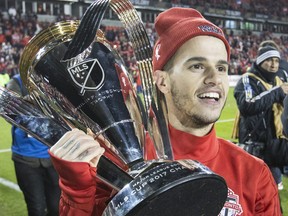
column 265, row 53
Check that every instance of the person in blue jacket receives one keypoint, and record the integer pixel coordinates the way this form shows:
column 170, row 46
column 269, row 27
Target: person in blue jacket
column 35, row 173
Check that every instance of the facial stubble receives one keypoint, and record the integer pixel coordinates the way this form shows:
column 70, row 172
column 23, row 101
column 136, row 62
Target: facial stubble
column 185, row 113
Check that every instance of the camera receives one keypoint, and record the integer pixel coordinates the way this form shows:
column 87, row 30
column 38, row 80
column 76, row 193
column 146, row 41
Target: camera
column 253, row 148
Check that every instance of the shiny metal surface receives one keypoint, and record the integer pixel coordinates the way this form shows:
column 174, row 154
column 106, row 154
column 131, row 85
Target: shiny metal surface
column 43, row 43
column 47, row 130
column 156, row 113
column 30, row 118
column 102, row 95
column 171, row 188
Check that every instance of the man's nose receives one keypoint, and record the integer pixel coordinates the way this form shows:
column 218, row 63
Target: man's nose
column 212, row 77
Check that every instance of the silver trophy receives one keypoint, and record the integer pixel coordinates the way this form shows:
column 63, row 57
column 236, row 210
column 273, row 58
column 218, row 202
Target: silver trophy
column 79, row 80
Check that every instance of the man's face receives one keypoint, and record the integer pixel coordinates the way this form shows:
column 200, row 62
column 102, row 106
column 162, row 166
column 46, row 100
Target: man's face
column 198, row 81
column 271, row 64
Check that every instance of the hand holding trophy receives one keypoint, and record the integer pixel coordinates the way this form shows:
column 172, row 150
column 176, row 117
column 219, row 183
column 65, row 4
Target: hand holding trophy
column 79, row 80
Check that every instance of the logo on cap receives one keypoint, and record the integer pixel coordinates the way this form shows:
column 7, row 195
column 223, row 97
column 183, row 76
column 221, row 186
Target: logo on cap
column 209, row 28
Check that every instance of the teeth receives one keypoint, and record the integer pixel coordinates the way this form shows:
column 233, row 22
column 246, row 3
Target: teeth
column 210, row 95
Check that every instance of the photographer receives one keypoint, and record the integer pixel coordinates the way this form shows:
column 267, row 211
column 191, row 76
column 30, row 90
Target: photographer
column 259, row 95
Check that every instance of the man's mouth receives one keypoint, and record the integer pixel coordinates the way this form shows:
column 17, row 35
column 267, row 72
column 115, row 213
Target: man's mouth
column 210, row 95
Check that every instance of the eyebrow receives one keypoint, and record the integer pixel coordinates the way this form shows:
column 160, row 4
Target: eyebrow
column 201, row 59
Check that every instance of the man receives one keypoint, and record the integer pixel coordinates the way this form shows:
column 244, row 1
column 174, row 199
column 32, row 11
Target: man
column 259, row 95
column 34, row 170
column 283, row 64
column 283, row 74
column 190, row 63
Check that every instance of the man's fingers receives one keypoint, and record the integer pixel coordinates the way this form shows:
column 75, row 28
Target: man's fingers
column 77, row 152
column 90, row 133
column 67, row 141
column 75, row 145
column 64, row 139
column 91, row 155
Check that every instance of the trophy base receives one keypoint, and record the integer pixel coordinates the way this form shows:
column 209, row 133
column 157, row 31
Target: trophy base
column 171, row 189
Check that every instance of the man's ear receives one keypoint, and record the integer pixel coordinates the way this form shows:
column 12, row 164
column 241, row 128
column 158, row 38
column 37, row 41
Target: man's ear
column 162, row 81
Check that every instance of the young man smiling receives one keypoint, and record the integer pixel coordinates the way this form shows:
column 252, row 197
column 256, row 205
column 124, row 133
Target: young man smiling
column 190, row 63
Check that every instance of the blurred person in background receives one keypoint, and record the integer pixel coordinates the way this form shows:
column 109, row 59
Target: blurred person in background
column 283, row 74
column 283, row 64
column 35, row 173
column 259, row 95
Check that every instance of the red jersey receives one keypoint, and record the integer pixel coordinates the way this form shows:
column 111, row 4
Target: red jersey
column 251, row 187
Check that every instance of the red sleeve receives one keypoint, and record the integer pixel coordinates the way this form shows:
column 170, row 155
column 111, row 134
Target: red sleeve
column 149, row 148
column 78, row 183
column 268, row 200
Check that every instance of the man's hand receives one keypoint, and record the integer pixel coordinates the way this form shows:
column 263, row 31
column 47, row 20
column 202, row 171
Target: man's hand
column 76, row 146
column 284, row 87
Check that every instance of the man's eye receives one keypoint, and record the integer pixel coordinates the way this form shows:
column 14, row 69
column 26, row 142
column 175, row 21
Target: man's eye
column 196, row 67
column 222, row 69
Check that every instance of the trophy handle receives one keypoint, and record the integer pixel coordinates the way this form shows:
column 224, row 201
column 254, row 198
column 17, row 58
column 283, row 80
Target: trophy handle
column 154, row 102
column 87, row 29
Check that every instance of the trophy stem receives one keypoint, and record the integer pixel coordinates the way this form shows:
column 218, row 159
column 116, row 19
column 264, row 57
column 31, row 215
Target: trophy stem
column 108, row 170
